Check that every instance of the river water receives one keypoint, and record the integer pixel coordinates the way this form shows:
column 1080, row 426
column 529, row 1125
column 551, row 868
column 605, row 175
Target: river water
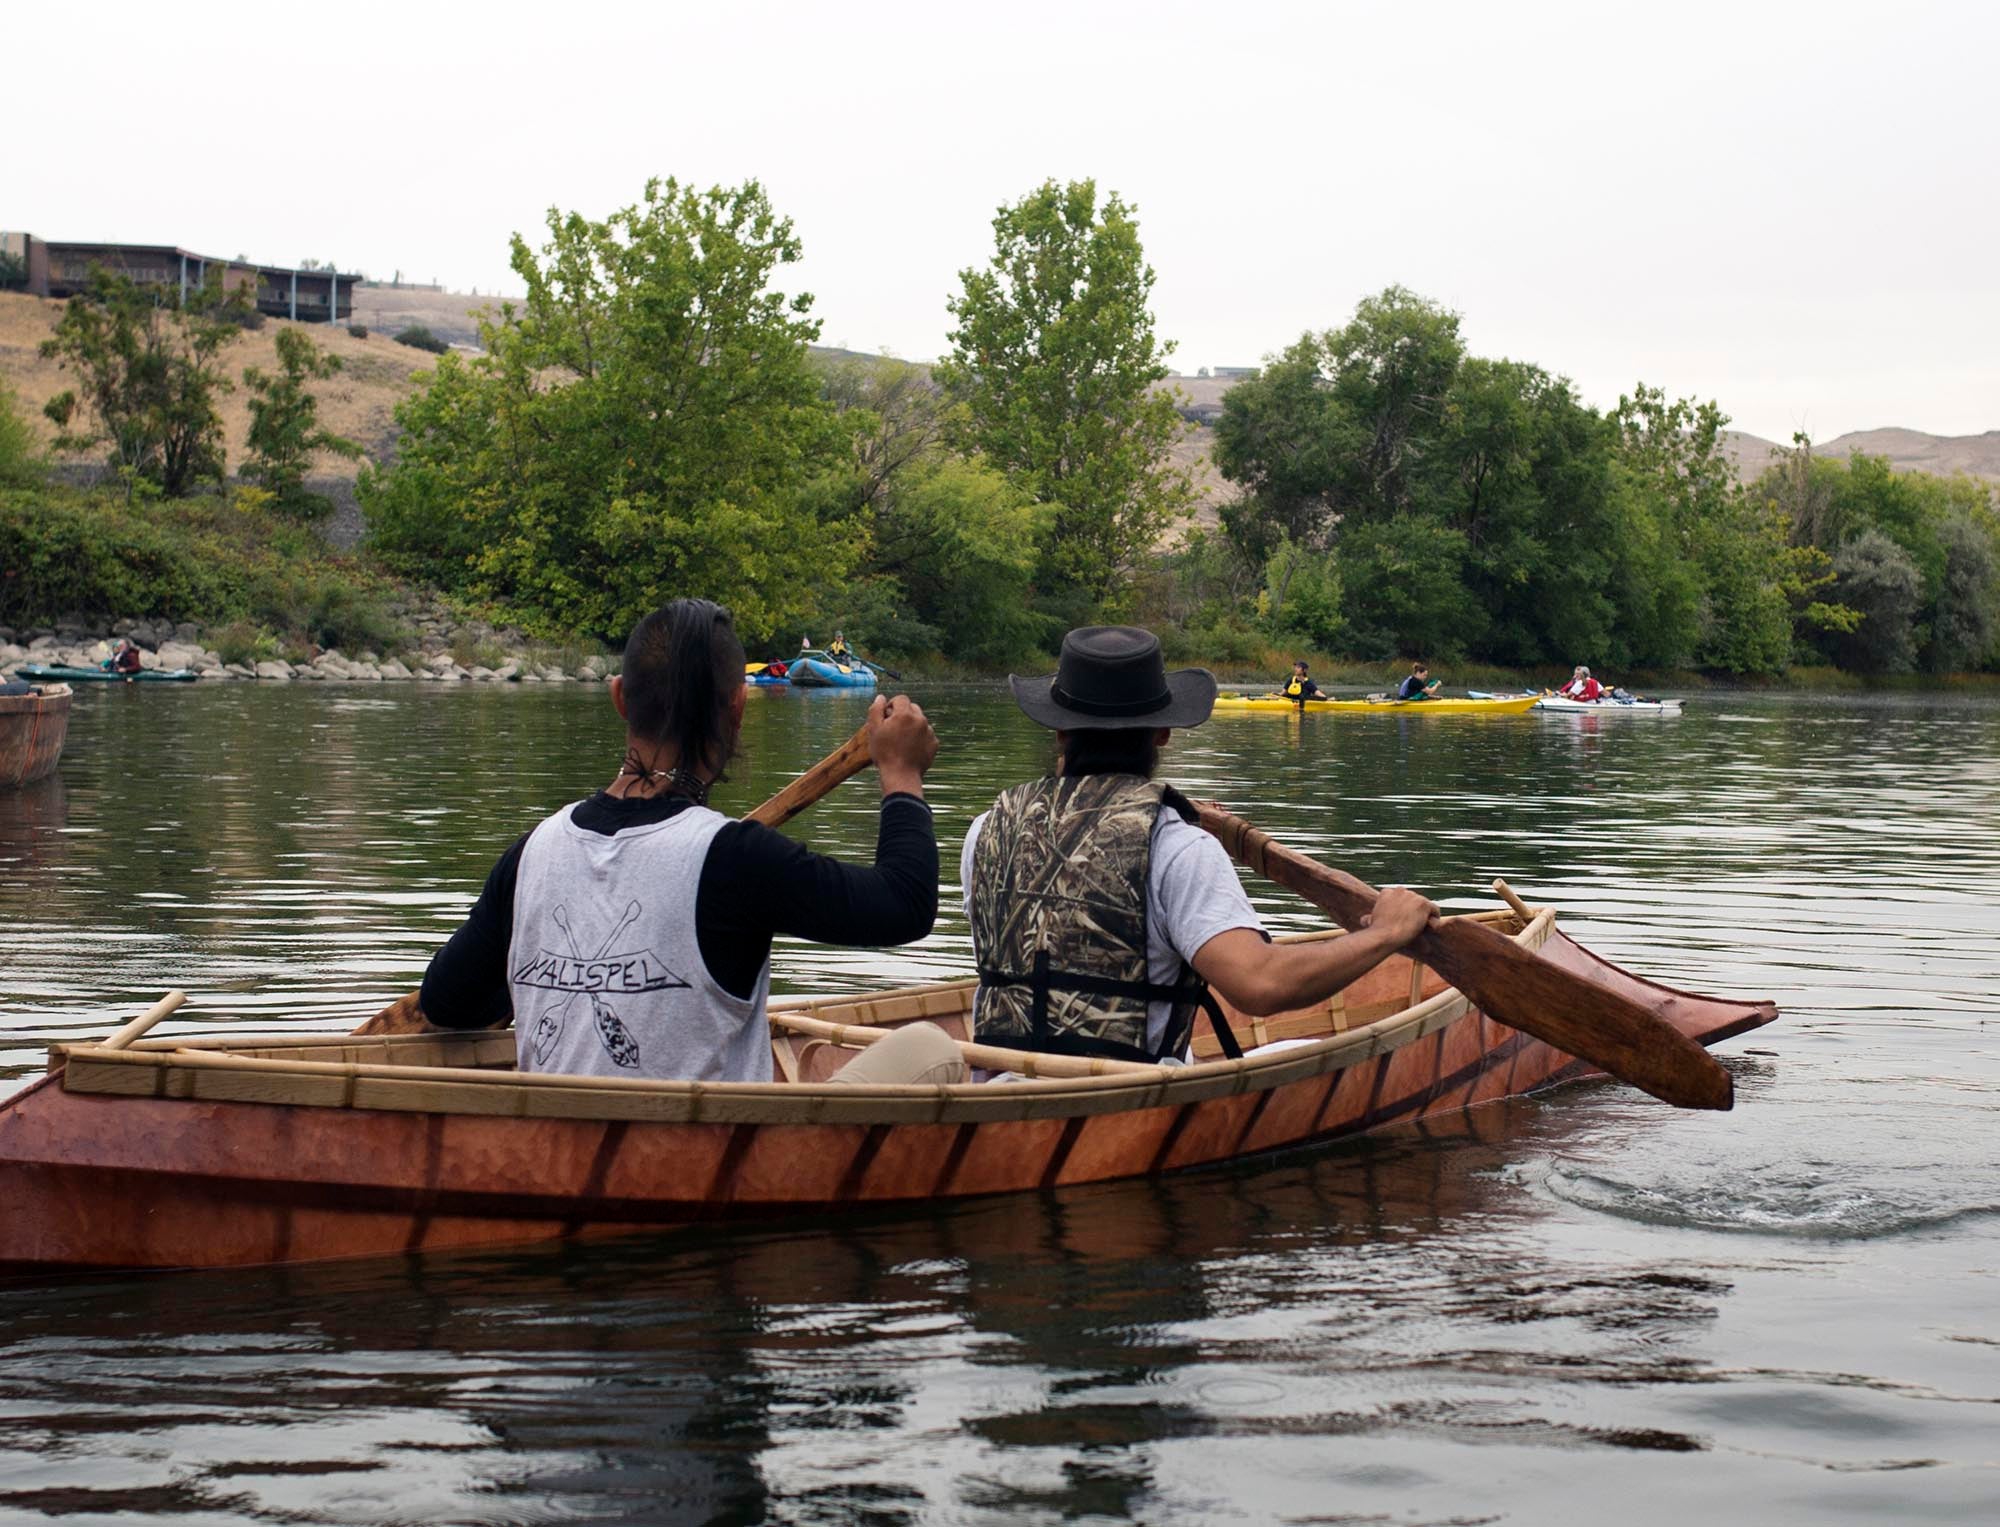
column 1581, row 1308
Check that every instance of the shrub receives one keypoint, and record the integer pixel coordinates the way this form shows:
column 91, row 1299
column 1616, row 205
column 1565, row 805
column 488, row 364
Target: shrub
column 21, row 464
column 243, row 641
column 64, row 551
column 13, row 270
column 357, row 331
column 417, row 337
column 470, row 653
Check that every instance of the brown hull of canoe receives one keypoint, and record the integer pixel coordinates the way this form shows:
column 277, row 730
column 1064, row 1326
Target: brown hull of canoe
column 94, row 1181
column 32, row 729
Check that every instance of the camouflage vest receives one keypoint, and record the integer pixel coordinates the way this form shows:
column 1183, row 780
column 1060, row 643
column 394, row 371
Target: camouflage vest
column 1058, row 901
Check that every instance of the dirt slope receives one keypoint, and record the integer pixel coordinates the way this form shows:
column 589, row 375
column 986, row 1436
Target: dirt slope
column 359, row 402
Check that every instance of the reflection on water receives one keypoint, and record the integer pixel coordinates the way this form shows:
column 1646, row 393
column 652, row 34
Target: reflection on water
column 1548, row 1310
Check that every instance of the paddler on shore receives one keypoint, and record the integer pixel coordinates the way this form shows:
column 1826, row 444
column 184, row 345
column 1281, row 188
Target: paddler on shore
column 1101, row 914
column 630, row 934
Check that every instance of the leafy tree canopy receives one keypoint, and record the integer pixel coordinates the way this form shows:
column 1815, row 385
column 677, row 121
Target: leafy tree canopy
column 149, row 370
column 644, row 424
column 1056, row 365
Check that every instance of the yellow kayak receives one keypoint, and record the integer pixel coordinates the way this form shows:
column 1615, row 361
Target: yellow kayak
column 1278, row 705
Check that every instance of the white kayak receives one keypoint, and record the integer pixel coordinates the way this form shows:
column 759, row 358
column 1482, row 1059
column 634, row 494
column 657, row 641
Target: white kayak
column 1610, row 707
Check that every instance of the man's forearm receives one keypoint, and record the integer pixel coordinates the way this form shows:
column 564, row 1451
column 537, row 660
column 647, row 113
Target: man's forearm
column 1293, row 976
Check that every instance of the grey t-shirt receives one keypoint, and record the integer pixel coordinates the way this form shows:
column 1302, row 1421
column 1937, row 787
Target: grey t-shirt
column 1192, row 894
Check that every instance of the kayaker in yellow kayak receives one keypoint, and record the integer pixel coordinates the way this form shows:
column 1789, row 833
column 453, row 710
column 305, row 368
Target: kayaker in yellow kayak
column 1419, row 685
column 1300, row 688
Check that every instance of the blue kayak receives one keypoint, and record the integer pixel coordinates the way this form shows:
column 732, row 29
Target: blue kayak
column 818, row 671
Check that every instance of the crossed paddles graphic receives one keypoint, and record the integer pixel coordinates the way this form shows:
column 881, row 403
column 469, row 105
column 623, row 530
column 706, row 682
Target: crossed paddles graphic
column 611, row 1031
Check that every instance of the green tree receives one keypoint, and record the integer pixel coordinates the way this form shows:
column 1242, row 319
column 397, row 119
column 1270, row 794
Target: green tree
column 285, row 433
column 1392, row 368
column 1283, row 437
column 1056, row 363
column 1965, row 611
column 896, row 412
column 1405, row 589
column 21, row 464
column 959, row 540
column 1303, row 596
column 1879, row 579
column 646, row 423
column 150, row 370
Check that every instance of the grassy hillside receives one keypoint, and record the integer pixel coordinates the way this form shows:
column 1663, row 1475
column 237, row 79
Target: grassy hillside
column 359, row 402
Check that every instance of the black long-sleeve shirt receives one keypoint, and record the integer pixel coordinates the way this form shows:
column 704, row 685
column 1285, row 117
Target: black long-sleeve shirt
column 755, row 883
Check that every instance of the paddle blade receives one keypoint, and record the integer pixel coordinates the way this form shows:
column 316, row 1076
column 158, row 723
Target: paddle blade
column 1512, row 985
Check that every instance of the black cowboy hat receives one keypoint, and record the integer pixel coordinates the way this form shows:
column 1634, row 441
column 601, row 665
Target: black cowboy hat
column 1112, row 678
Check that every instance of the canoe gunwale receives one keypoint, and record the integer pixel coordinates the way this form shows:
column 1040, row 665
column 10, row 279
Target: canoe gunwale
column 209, row 1070
column 93, row 1069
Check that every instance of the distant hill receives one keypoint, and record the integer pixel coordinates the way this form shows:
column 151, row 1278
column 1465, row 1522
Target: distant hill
column 452, row 316
column 1908, row 450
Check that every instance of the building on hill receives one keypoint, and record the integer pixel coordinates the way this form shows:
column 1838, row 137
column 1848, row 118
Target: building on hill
column 280, row 291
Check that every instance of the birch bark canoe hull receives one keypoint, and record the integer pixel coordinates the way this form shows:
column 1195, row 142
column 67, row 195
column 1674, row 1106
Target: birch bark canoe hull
column 380, row 1160
column 32, row 731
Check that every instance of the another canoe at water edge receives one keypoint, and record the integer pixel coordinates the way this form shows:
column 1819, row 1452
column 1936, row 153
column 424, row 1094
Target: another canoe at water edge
column 32, row 729
column 761, row 675
column 822, row 672
column 1277, row 705
column 232, row 1151
column 69, row 675
column 1560, row 706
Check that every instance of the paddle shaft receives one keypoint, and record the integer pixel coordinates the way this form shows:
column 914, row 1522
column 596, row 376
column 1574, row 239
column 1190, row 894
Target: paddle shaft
column 1512, row 985
column 404, row 1016
column 138, row 1026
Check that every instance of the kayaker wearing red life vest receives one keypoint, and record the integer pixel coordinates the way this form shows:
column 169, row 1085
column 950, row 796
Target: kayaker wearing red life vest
column 1582, row 686
column 1101, row 914
column 630, row 934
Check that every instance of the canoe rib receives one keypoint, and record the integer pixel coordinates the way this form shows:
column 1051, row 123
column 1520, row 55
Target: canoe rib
column 225, row 1152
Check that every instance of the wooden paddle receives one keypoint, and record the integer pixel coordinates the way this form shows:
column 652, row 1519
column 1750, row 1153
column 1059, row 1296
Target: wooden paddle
column 404, row 1016
column 1514, row 986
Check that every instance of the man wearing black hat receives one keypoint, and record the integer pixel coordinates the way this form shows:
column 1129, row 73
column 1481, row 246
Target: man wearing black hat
column 1101, row 914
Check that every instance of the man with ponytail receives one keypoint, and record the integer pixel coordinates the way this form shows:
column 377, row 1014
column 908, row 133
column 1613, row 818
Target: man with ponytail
column 630, row 934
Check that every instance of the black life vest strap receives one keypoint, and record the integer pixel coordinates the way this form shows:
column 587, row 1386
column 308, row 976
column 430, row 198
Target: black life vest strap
column 1044, row 980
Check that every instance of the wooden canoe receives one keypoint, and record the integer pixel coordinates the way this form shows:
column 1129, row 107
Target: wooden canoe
column 231, row 1151
column 32, row 730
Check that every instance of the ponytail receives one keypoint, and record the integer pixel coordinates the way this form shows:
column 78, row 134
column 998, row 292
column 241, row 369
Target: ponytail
column 682, row 666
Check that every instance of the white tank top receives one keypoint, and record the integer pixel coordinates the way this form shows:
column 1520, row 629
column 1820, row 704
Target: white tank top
column 603, row 965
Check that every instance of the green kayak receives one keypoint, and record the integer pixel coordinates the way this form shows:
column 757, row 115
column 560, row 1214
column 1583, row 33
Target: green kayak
column 69, row 675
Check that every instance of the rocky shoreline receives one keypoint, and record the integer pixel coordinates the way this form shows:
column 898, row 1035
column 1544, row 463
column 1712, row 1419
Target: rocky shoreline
column 430, row 657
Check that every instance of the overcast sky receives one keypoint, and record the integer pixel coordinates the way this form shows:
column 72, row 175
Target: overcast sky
column 1794, row 210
